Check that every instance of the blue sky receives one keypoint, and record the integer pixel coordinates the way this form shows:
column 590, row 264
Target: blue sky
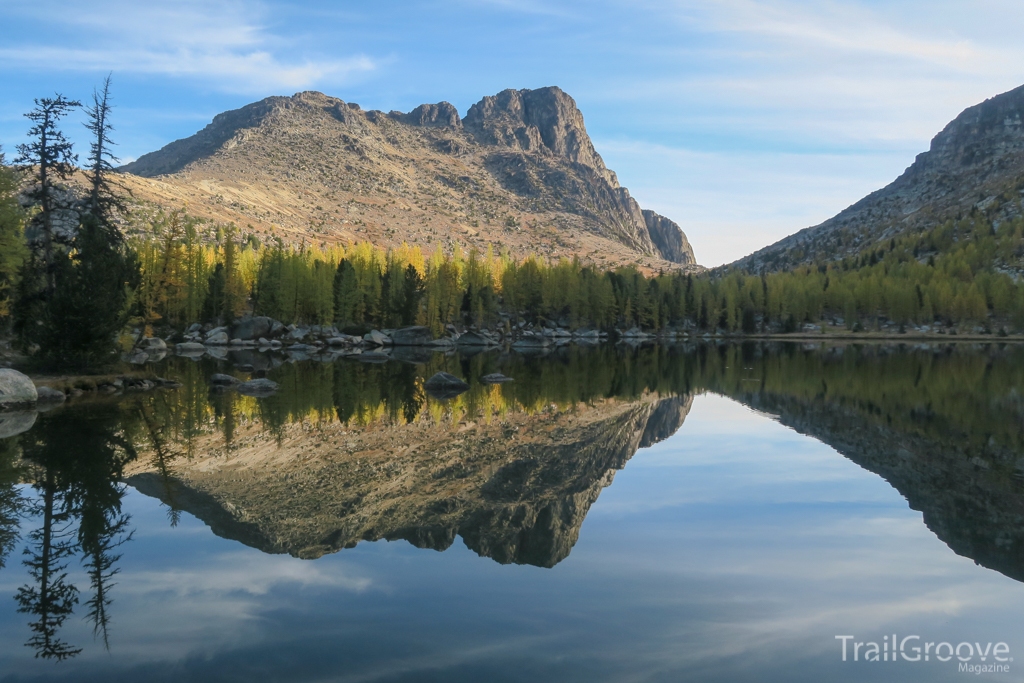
column 742, row 120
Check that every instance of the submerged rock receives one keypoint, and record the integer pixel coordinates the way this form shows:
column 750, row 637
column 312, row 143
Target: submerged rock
column 220, row 379
column 495, row 378
column 16, row 389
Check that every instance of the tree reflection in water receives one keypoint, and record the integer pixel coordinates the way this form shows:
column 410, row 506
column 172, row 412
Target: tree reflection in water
column 74, row 461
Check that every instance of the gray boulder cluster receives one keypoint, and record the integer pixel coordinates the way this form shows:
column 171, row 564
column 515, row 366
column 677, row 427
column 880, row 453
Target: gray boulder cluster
column 303, row 342
column 21, row 400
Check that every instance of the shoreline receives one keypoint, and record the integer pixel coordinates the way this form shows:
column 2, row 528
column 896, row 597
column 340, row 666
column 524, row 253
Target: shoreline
column 66, row 381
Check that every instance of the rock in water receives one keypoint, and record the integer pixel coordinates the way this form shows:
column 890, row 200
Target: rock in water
column 257, row 387
column 50, row 395
column 17, row 422
column 154, row 344
column 474, row 339
column 222, row 380
column 445, row 386
column 377, row 338
column 16, row 389
column 411, row 336
column 495, row 378
column 219, row 338
column 254, row 328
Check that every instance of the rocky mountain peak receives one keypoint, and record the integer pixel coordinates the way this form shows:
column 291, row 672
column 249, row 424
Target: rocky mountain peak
column 440, row 115
column 990, row 129
column 545, row 119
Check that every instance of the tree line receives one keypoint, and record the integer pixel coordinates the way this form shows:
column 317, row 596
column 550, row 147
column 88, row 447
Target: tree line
column 71, row 282
column 941, row 276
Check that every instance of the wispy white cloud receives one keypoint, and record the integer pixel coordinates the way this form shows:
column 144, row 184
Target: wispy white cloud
column 840, row 26
column 226, row 45
column 766, row 117
column 534, row 7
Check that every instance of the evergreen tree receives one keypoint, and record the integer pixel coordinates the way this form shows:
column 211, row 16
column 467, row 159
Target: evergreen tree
column 88, row 295
column 12, row 242
column 346, row 293
column 90, row 303
column 103, row 201
column 412, row 293
column 52, row 160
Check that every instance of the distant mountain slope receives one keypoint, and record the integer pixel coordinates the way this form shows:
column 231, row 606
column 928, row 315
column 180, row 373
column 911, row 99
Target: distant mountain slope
column 975, row 164
column 519, row 173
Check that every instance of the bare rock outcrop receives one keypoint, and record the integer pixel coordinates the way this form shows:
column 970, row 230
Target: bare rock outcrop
column 668, row 238
column 440, row 115
column 531, row 120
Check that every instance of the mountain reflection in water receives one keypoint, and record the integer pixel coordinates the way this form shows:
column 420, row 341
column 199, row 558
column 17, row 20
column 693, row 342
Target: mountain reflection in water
column 347, row 452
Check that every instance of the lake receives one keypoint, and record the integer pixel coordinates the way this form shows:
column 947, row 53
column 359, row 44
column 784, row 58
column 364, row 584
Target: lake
column 709, row 512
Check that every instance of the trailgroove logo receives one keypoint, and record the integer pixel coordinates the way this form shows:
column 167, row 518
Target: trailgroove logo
column 975, row 658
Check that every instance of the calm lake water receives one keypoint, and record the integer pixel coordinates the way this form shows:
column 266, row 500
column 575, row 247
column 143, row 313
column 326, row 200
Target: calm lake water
column 708, row 513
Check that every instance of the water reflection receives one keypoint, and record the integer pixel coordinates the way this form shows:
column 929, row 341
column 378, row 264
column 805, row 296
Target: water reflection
column 347, row 452
column 74, row 461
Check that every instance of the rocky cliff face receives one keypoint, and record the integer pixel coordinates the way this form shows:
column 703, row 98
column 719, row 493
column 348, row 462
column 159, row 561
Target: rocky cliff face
column 520, row 171
column 536, row 120
column 515, row 491
column 668, row 238
column 975, row 163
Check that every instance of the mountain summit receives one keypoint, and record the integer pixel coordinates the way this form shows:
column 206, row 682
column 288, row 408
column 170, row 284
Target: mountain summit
column 519, row 172
column 975, row 164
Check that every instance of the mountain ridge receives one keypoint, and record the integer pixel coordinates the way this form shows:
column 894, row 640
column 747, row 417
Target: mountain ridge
column 975, row 163
column 519, row 170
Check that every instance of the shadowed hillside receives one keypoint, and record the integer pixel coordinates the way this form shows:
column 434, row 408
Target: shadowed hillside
column 974, row 166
